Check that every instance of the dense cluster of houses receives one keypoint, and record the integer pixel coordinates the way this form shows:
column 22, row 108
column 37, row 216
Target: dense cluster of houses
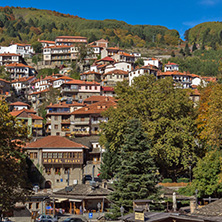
column 59, row 162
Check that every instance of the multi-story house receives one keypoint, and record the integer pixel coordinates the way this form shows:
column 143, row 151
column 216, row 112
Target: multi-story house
column 111, row 51
column 70, row 40
column 102, row 43
column 31, row 120
column 141, row 71
column 46, row 43
column 59, row 81
column 153, row 62
column 19, row 106
column 95, row 99
column 25, row 50
column 87, row 119
column 19, row 70
column 107, row 91
column 42, row 83
column 124, row 57
column 112, row 77
column 125, row 66
column 170, row 67
column 60, row 54
column 8, row 58
column 58, row 118
column 60, row 160
column 91, row 76
column 79, row 90
column 183, row 79
column 23, row 85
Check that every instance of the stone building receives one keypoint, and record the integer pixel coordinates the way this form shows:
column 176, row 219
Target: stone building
column 58, row 159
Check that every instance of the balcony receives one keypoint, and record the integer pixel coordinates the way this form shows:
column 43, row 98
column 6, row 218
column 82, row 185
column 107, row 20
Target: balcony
column 65, row 129
column 65, row 121
column 95, row 132
column 81, row 133
column 37, row 126
column 70, row 90
column 81, row 122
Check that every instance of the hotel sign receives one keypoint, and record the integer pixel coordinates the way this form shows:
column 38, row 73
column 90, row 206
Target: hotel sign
column 62, row 161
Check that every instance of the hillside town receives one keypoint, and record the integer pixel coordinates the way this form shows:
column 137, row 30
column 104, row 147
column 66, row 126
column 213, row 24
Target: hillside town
column 63, row 117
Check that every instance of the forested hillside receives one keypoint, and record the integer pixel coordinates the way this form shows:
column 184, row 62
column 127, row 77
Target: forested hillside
column 29, row 24
column 207, row 34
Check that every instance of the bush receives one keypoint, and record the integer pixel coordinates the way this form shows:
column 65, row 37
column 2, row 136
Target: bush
column 183, row 180
column 167, row 180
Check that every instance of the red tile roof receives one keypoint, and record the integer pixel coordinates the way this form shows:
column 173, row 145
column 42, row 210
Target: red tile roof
column 107, row 89
column 90, row 72
column 95, row 108
column 18, row 65
column 106, row 59
column 43, row 91
column 9, row 54
column 23, row 79
column 55, row 142
column 171, row 63
column 33, row 116
column 174, row 73
column 102, row 40
column 46, row 41
column 116, row 71
column 71, row 37
column 98, row 98
column 19, row 104
column 80, row 82
column 58, row 46
column 209, row 79
column 3, row 80
column 126, row 54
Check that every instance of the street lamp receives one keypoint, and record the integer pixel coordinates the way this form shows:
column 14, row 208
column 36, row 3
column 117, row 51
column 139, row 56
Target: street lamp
column 122, row 211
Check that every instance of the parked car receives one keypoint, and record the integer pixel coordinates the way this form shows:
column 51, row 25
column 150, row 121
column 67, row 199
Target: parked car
column 73, row 219
column 45, row 218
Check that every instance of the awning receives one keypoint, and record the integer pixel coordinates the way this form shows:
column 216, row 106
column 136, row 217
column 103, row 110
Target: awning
column 59, row 200
column 75, row 200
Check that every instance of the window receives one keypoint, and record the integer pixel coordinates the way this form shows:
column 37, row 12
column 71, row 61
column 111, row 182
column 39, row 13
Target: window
column 64, row 155
column 37, row 205
column 55, row 117
column 57, row 180
column 57, row 134
column 60, row 155
column 55, row 126
column 90, row 87
column 33, row 155
column 30, row 205
column 86, row 87
column 44, row 155
column 49, row 155
column 95, row 87
column 82, row 119
column 54, row 155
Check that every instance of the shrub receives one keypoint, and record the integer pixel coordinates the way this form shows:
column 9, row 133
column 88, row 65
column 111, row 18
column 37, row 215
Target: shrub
column 167, row 180
column 183, row 180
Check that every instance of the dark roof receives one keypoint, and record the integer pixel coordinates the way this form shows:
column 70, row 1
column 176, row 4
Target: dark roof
column 86, row 141
column 54, row 142
column 212, row 209
column 82, row 191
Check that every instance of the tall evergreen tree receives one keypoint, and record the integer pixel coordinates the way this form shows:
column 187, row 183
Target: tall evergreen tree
column 187, row 50
column 194, row 47
column 136, row 177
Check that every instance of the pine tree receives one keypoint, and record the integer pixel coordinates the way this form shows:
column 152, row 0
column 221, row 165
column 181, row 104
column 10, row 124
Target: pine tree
column 110, row 161
column 182, row 52
column 136, row 177
column 173, row 54
column 187, row 50
column 194, row 47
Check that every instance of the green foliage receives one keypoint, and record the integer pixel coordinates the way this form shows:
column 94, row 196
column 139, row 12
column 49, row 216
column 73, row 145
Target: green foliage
column 194, row 47
column 183, row 180
column 37, row 46
column 47, row 72
column 187, row 50
column 167, row 180
column 4, row 74
column 207, row 176
column 172, row 54
column 136, row 176
column 139, row 62
column 167, row 115
column 13, row 178
column 29, row 25
column 203, row 63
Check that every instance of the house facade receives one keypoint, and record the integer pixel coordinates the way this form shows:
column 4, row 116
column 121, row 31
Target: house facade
column 60, row 160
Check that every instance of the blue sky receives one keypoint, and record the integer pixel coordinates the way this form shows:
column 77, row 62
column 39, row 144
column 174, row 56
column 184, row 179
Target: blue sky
column 174, row 14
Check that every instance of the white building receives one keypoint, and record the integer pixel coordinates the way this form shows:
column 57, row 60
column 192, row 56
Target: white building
column 25, row 50
column 125, row 66
column 154, row 62
column 170, row 67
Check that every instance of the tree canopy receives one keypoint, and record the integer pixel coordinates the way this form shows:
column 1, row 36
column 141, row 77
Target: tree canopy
column 13, row 178
column 167, row 116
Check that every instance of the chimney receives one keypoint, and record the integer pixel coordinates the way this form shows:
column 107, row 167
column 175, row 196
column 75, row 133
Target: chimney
column 192, row 206
column 174, row 202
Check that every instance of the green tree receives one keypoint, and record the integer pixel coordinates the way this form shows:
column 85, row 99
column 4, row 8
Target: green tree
column 13, row 178
column 187, row 50
column 207, row 176
column 194, row 47
column 173, row 54
column 167, row 115
column 137, row 175
column 182, row 52
column 37, row 46
column 4, row 74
